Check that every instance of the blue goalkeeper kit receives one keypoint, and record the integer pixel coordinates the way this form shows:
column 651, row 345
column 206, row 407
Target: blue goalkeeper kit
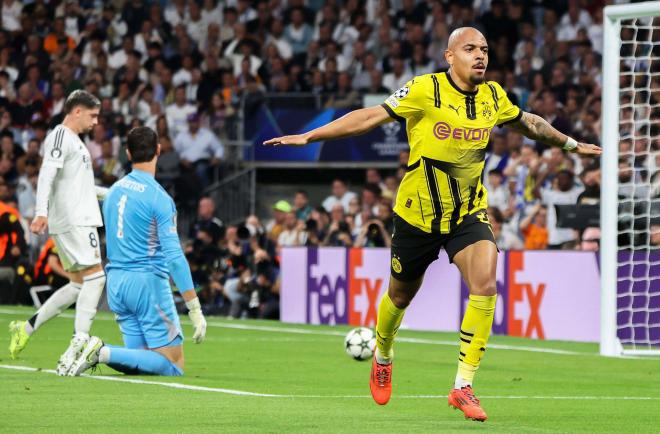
column 144, row 251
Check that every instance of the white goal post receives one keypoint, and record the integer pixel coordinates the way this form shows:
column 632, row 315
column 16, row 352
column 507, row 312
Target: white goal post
column 630, row 270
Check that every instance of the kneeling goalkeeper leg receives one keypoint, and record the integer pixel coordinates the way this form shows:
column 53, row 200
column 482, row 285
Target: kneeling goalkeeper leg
column 136, row 362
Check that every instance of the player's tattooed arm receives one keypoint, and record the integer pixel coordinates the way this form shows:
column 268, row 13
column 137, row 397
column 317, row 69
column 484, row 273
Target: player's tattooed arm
column 537, row 128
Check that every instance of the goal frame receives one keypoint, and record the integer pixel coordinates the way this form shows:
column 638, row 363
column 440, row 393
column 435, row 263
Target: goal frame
column 612, row 16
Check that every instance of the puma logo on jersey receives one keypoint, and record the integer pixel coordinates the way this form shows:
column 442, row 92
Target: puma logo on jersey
column 454, row 108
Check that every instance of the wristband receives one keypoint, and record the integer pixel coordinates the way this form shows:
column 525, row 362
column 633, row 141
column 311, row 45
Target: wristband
column 193, row 304
column 570, row 144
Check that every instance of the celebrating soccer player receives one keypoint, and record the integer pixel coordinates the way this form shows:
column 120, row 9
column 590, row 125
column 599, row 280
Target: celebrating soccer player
column 144, row 251
column 442, row 201
column 68, row 207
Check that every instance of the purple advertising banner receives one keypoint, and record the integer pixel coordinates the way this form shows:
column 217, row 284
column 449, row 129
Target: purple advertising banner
column 327, row 288
column 542, row 294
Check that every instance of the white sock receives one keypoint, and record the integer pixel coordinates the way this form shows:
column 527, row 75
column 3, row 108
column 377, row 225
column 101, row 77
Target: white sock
column 460, row 382
column 56, row 303
column 88, row 301
column 104, row 355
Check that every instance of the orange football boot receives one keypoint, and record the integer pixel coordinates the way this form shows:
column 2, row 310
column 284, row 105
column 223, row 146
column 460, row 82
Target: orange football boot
column 464, row 400
column 381, row 382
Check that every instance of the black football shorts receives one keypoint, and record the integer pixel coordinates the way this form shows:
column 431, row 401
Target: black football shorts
column 413, row 250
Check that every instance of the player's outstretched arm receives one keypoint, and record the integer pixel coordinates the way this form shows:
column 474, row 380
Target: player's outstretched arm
column 537, row 128
column 178, row 265
column 351, row 124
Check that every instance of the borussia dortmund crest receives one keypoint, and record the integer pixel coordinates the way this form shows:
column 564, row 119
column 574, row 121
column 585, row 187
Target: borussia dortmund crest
column 486, row 112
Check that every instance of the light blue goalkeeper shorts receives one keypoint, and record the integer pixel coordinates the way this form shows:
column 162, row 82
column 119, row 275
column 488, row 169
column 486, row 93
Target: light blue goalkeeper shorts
column 144, row 308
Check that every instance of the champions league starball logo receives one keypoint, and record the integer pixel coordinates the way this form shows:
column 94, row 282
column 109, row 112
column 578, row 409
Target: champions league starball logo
column 401, row 93
column 391, row 130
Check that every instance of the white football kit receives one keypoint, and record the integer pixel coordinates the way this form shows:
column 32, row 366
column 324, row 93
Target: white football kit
column 67, row 196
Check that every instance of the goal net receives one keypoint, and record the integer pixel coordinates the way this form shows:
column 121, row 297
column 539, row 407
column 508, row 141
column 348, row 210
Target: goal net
column 630, row 203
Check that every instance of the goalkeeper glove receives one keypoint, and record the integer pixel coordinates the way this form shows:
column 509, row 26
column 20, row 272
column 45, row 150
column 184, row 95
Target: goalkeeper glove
column 197, row 318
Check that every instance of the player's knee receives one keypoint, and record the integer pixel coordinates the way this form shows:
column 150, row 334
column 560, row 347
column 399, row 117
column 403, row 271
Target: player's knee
column 401, row 292
column 400, row 299
column 487, row 287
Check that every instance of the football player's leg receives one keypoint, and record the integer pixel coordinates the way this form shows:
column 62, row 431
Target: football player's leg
column 391, row 309
column 477, row 263
column 93, row 279
column 22, row 330
column 143, row 361
column 412, row 252
column 149, row 325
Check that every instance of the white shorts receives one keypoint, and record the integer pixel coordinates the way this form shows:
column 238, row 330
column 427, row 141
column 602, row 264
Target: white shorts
column 79, row 248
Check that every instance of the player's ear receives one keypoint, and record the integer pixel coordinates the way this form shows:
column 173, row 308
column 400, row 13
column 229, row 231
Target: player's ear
column 128, row 154
column 158, row 150
column 449, row 56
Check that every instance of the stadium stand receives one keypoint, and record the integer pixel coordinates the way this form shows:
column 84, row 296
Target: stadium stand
column 193, row 70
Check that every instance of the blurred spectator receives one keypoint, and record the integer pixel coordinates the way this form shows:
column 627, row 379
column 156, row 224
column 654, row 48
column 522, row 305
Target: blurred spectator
column 340, row 194
column 57, row 39
column 177, row 113
column 654, row 240
column 25, row 107
column 293, row 233
column 199, row 149
column 298, row 33
column 276, row 226
column 339, row 231
column 26, row 188
column 373, row 234
column 301, row 205
column 168, row 165
column 48, row 269
column 206, row 221
column 497, row 158
column 563, row 192
column 534, row 228
column 12, row 250
column 98, row 137
column 107, row 168
column 590, row 239
column 505, row 237
column 522, row 169
column 398, row 77
column 498, row 194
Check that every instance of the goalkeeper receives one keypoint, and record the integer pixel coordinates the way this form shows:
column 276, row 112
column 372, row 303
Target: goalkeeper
column 144, row 252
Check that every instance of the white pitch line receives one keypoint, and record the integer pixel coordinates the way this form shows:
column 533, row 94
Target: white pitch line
column 269, row 395
column 155, row 383
column 303, row 331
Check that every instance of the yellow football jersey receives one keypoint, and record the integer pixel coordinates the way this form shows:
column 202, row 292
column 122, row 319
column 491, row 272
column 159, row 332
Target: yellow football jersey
column 448, row 130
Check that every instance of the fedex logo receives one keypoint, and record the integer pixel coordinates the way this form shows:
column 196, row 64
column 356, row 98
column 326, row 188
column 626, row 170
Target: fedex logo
column 365, row 287
column 327, row 286
column 524, row 304
column 443, row 131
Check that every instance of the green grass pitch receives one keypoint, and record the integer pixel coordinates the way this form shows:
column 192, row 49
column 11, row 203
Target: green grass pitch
column 318, row 388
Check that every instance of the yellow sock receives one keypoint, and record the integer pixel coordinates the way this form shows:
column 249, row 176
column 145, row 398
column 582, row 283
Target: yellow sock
column 475, row 331
column 389, row 320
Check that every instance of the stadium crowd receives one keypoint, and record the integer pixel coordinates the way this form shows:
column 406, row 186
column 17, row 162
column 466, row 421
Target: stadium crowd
column 186, row 68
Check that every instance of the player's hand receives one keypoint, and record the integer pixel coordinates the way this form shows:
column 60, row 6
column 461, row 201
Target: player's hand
column 296, row 140
column 587, row 149
column 197, row 318
column 39, row 225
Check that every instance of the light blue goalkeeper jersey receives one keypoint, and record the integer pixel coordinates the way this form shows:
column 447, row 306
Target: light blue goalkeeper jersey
column 141, row 229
